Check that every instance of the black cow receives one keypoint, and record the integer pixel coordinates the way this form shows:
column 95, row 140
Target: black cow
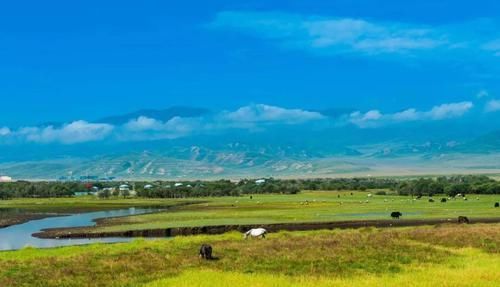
column 431, row 200
column 497, row 204
column 443, row 200
column 206, row 252
column 396, row 214
column 463, row 219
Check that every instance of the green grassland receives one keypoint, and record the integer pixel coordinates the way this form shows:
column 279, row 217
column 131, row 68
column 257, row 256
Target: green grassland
column 304, row 207
column 446, row 255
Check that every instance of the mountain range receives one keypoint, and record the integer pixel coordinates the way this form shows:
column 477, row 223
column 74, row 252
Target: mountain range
column 301, row 150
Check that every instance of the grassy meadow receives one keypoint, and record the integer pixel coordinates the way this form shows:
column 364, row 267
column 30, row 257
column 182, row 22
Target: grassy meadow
column 446, row 255
column 307, row 206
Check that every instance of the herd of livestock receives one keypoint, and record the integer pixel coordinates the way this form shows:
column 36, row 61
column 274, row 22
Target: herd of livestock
column 206, row 249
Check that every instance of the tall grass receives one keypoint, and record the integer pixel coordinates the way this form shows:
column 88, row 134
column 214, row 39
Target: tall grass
column 363, row 257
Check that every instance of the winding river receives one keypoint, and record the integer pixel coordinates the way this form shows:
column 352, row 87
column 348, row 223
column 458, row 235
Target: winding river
column 19, row 236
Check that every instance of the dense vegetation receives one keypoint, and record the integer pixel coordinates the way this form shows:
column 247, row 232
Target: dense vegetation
column 451, row 185
column 27, row 189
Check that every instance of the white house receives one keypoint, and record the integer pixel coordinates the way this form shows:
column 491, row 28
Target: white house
column 124, row 187
column 148, row 186
column 5, row 178
column 260, row 181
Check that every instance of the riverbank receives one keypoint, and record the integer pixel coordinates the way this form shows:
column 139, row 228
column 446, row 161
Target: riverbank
column 79, row 233
column 19, row 211
column 15, row 219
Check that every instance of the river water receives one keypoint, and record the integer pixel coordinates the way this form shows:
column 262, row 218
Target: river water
column 19, row 236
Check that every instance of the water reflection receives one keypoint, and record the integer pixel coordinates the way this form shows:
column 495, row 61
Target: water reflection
column 18, row 236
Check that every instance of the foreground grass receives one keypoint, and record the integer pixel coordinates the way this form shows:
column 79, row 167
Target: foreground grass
column 321, row 206
column 369, row 257
column 475, row 269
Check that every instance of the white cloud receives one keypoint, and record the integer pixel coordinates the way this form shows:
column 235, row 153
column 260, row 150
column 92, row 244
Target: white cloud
column 247, row 117
column 270, row 114
column 330, row 35
column 492, row 106
column 339, row 35
column 375, row 118
column 252, row 117
column 143, row 123
column 148, row 128
column 145, row 128
column 447, row 111
column 75, row 132
column 4, row 131
column 365, row 119
column 407, row 115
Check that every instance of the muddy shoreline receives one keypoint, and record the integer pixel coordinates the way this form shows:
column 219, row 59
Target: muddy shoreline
column 20, row 219
column 74, row 233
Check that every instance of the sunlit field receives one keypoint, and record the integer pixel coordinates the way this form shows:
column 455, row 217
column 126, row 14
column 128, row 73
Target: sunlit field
column 447, row 255
column 305, row 207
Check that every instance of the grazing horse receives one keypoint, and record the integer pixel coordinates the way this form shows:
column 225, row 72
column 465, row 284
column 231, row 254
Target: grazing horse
column 396, row 214
column 206, row 252
column 256, row 232
column 463, row 219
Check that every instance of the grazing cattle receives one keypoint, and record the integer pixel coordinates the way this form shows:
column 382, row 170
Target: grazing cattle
column 256, row 232
column 497, row 204
column 396, row 214
column 463, row 219
column 206, row 252
column 431, row 200
column 443, row 200
column 251, row 197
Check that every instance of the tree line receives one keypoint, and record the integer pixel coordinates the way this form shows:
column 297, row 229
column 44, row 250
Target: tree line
column 450, row 185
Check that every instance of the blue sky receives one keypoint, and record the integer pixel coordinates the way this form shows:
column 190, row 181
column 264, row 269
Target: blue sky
column 67, row 61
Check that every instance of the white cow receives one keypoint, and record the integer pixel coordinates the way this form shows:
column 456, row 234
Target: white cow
column 256, row 232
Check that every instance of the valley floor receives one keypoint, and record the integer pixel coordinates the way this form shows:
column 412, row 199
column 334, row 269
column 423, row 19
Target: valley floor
column 307, row 207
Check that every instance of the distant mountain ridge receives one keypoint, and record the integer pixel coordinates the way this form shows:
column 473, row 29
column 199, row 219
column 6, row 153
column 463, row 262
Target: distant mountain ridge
column 274, row 150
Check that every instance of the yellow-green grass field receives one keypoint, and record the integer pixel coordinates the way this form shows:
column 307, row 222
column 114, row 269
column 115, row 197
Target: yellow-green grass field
column 446, row 255
column 304, row 207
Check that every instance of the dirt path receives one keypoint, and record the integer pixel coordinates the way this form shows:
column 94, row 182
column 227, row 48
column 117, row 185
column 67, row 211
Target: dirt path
column 170, row 232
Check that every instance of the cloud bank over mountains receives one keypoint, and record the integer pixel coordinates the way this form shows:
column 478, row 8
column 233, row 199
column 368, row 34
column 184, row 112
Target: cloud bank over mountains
column 375, row 118
column 251, row 118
